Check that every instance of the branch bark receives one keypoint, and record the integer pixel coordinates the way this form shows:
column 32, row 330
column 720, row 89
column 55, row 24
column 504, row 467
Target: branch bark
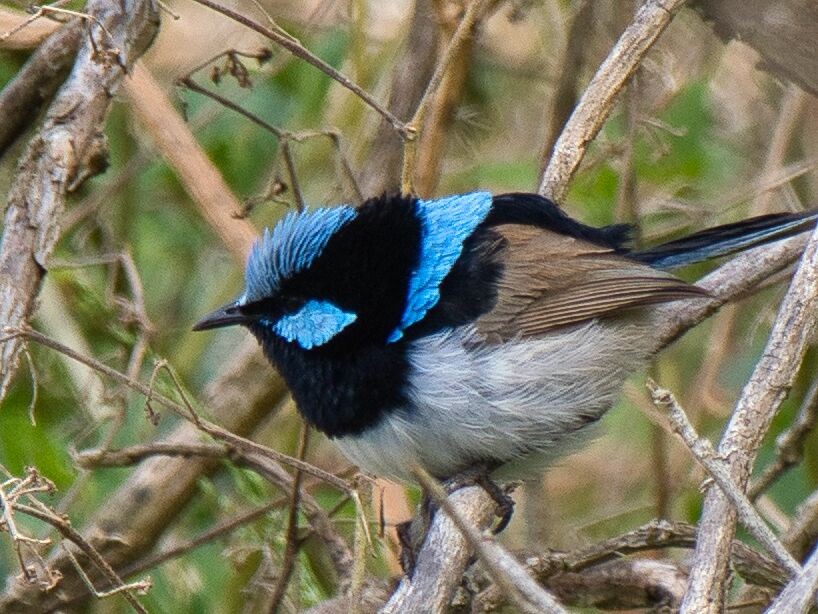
column 596, row 103
column 768, row 386
column 67, row 148
column 36, row 82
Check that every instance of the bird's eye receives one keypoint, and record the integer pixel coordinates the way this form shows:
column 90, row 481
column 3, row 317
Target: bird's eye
column 290, row 304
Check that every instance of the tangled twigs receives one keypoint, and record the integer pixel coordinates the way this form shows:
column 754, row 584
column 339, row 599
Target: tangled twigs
column 17, row 495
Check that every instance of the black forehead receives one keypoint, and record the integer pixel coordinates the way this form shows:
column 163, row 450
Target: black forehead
column 367, row 263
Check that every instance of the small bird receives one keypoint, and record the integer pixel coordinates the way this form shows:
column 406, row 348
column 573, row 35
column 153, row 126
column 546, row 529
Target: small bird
column 464, row 330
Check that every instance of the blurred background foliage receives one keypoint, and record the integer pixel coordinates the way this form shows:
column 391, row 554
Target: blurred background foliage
column 688, row 146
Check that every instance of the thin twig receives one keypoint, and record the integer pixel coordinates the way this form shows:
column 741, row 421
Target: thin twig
column 140, row 586
column 223, row 528
column 760, row 399
column 291, row 536
column 702, row 450
column 68, row 532
column 186, row 411
column 415, row 125
column 125, row 457
column 789, row 445
column 292, row 45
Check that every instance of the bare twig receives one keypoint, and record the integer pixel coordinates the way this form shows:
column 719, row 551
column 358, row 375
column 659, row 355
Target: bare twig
column 292, row 45
column 223, row 528
column 68, row 532
column 801, row 534
column 702, row 450
column 140, row 586
column 125, row 457
column 184, row 410
column 410, row 75
column 201, row 179
column 598, row 99
column 19, row 31
column 760, row 399
column 291, row 536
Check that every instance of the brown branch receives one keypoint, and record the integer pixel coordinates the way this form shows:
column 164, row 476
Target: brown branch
column 598, row 99
column 125, row 457
column 655, row 535
column 410, row 75
column 760, row 399
column 221, row 529
column 461, row 34
column 65, row 150
column 803, row 530
column 19, row 31
column 37, row 81
column 132, row 518
column 291, row 536
column 68, row 532
column 154, row 111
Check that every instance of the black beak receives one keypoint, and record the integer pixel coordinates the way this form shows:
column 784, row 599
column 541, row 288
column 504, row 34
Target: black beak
column 224, row 316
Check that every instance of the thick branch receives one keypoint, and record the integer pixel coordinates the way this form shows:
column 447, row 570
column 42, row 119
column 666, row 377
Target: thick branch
column 68, row 145
column 768, row 386
column 37, row 80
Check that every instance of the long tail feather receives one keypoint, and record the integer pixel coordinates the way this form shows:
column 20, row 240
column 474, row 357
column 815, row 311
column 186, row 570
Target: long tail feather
column 727, row 239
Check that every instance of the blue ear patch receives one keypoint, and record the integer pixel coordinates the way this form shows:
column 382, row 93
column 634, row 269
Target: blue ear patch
column 292, row 246
column 445, row 224
column 314, row 324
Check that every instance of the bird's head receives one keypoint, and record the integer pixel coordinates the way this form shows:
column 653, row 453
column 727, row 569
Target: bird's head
column 342, row 276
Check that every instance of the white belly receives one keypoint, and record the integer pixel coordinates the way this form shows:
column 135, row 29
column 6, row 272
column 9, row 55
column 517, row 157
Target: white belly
column 521, row 403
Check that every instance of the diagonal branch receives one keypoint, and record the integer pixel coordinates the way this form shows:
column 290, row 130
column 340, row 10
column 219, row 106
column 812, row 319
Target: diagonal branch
column 67, row 148
column 596, row 103
column 762, row 395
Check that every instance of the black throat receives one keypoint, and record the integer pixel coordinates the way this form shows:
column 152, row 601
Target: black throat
column 340, row 393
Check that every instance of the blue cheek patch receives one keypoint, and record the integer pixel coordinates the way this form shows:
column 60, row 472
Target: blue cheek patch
column 445, row 224
column 314, row 324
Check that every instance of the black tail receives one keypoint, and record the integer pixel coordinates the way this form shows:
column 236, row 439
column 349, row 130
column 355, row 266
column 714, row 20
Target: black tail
column 727, row 239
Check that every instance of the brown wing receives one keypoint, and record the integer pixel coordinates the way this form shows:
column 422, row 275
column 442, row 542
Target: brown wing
column 552, row 280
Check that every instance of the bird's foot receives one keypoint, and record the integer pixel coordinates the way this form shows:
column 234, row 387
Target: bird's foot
column 478, row 475
column 412, row 533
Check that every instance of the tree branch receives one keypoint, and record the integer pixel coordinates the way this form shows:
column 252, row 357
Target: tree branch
column 768, row 386
column 67, row 148
column 598, row 99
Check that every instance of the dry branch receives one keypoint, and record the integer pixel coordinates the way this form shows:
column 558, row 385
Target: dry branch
column 201, row 178
column 36, row 82
column 67, row 148
column 768, row 386
column 598, row 99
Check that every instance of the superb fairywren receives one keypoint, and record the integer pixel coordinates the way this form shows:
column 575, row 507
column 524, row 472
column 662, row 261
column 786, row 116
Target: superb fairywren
column 462, row 330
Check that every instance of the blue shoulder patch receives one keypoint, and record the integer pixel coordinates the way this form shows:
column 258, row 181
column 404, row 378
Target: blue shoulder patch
column 314, row 324
column 445, row 224
column 292, row 246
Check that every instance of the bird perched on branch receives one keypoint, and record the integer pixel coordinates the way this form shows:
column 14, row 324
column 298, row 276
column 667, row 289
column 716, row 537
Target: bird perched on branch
column 469, row 329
